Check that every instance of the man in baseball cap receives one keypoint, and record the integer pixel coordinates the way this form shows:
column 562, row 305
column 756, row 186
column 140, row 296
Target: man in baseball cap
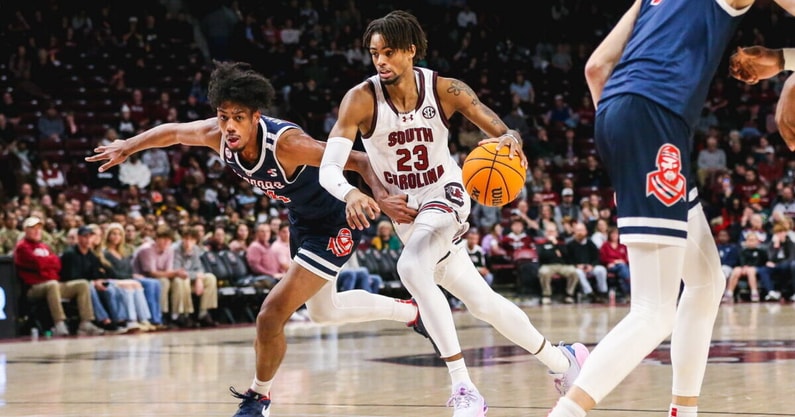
column 39, row 267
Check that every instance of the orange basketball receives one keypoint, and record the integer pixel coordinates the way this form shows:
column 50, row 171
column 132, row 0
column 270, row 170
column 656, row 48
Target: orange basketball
column 491, row 177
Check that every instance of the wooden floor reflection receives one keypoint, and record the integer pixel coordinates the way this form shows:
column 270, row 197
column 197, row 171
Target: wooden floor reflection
column 384, row 369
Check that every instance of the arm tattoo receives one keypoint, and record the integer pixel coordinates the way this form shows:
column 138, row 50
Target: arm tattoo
column 458, row 87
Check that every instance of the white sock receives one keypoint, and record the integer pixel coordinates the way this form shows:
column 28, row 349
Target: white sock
column 566, row 408
column 458, row 372
column 675, row 410
column 555, row 360
column 260, row 387
column 174, row 316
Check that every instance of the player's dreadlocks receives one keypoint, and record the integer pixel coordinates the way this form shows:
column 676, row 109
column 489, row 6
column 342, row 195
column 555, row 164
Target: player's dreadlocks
column 400, row 30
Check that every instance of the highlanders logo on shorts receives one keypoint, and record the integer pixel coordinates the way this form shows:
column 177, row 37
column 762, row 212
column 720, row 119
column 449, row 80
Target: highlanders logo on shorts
column 667, row 183
column 342, row 244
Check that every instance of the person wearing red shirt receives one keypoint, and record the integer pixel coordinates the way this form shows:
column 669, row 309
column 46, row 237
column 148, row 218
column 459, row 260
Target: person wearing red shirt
column 39, row 267
column 613, row 255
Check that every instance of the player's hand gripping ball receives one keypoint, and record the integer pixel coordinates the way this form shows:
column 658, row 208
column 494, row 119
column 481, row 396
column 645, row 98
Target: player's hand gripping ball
column 493, row 178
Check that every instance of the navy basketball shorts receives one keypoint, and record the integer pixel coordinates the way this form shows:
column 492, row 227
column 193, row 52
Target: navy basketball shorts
column 322, row 247
column 646, row 150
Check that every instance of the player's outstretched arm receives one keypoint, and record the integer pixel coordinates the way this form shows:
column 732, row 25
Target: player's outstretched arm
column 198, row 133
column 785, row 112
column 457, row 96
column 605, row 57
column 756, row 63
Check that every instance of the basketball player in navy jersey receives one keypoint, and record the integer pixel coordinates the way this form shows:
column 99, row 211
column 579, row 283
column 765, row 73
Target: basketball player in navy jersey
column 402, row 114
column 650, row 77
column 281, row 159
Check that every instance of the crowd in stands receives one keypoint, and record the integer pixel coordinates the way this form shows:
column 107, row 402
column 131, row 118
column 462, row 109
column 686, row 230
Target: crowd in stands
column 79, row 74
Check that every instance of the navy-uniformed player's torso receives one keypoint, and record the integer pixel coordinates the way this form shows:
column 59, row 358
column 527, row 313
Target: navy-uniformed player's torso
column 299, row 191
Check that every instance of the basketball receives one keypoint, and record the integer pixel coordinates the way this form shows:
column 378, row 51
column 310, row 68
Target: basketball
column 492, row 178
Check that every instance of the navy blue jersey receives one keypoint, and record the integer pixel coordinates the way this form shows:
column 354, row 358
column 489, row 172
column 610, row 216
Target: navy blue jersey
column 302, row 194
column 320, row 239
column 675, row 48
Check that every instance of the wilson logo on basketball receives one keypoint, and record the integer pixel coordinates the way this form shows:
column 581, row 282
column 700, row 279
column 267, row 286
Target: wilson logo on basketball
column 342, row 244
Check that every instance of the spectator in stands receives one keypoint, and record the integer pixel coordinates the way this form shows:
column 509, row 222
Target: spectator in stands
column 261, row 260
column 523, row 89
column 600, row 232
column 386, row 238
column 241, row 240
column 566, row 152
column 541, row 147
column 516, row 119
column 585, row 257
column 784, row 207
column 753, row 223
column 156, row 259
column 281, row 247
column 50, row 177
column 567, row 207
column 771, row 167
column 126, row 126
column 205, row 284
column 520, row 248
column 217, row 241
column 10, row 233
column 157, row 161
column 134, row 172
column 477, row 255
column 554, row 260
column 50, row 125
column 591, row 174
column 484, row 217
column 613, row 255
column 40, row 270
column 79, row 262
column 711, row 159
column 752, row 258
column 560, row 116
column 8, row 131
column 117, row 259
column 546, row 215
column 353, row 276
column 522, row 210
column 728, row 251
column 780, row 266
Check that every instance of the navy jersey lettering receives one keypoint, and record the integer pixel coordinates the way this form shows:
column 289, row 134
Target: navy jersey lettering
column 302, row 194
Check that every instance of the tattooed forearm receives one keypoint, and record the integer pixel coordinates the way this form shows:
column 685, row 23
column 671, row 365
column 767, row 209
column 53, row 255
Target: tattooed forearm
column 458, row 87
column 495, row 119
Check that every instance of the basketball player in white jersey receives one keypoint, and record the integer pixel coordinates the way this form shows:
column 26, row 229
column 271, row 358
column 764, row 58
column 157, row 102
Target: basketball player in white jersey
column 402, row 114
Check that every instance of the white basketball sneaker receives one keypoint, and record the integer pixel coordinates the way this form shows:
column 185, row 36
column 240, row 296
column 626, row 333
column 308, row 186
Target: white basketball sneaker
column 467, row 402
column 577, row 353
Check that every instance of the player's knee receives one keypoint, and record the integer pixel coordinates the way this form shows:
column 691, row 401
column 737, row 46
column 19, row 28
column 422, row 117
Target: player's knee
column 270, row 321
column 408, row 271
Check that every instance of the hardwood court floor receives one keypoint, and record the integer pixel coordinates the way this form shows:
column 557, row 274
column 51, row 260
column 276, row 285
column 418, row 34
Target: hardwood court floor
column 385, row 369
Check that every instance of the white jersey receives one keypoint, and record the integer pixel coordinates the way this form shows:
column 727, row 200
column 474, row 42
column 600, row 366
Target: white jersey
column 409, row 151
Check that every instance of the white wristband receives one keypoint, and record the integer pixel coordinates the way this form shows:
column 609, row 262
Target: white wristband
column 512, row 137
column 334, row 157
column 789, row 59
